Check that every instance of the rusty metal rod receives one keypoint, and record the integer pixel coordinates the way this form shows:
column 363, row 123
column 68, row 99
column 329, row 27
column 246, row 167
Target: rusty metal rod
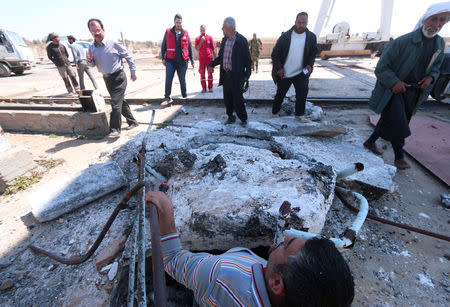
column 392, row 223
column 142, row 293
column 159, row 279
column 81, row 259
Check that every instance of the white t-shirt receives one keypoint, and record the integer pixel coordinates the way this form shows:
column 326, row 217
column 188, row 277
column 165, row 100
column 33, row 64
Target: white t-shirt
column 294, row 61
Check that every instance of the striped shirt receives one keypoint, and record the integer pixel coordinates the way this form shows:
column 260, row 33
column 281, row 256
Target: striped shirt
column 234, row 278
column 228, row 52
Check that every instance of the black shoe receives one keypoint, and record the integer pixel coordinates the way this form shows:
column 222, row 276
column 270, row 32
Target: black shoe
column 373, row 148
column 134, row 125
column 230, row 120
column 244, row 123
column 114, row 133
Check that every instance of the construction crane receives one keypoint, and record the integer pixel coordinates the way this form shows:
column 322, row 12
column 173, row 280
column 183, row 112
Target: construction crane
column 340, row 42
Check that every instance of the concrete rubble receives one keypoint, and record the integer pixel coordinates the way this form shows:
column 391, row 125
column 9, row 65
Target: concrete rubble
column 14, row 162
column 227, row 182
column 108, row 253
column 56, row 198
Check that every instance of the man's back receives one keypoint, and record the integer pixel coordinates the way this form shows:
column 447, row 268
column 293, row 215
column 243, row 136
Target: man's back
column 234, row 278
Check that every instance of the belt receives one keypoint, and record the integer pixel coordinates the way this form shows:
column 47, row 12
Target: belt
column 114, row 73
column 228, row 71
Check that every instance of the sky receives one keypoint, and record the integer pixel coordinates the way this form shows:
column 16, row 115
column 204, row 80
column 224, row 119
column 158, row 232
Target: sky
column 144, row 20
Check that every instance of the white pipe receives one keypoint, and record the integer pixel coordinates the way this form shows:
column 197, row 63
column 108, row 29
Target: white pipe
column 356, row 225
column 357, row 167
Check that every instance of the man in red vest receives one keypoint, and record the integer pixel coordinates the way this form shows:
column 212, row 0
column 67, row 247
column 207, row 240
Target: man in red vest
column 176, row 51
column 205, row 46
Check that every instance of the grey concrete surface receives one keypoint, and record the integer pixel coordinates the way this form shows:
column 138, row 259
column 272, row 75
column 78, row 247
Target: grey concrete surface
column 347, row 76
column 55, row 198
column 14, row 162
column 89, row 124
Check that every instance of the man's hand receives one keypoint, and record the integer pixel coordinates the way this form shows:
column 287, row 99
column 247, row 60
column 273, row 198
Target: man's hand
column 133, row 77
column 89, row 56
column 400, row 87
column 192, row 64
column 425, row 82
column 164, row 62
column 76, row 65
column 280, row 73
column 308, row 67
column 165, row 211
column 245, row 79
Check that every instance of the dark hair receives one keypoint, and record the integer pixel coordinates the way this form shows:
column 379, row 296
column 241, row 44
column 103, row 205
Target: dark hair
column 177, row 16
column 97, row 20
column 301, row 14
column 71, row 37
column 317, row 276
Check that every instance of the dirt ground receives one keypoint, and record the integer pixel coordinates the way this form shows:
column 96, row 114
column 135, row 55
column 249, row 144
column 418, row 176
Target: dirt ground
column 392, row 267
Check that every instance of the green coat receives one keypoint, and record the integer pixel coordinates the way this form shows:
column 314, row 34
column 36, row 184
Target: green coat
column 396, row 63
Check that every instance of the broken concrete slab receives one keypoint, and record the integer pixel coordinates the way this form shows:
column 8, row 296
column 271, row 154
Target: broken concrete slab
column 90, row 124
column 59, row 197
column 14, row 162
column 312, row 112
column 110, row 252
column 340, row 153
column 240, row 176
column 237, row 203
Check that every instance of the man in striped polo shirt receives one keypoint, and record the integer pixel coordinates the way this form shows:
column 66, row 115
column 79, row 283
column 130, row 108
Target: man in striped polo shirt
column 298, row 272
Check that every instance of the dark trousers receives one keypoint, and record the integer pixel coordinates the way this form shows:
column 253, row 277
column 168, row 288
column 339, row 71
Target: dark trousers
column 116, row 84
column 301, row 83
column 180, row 68
column 393, row 125
column 232, row 97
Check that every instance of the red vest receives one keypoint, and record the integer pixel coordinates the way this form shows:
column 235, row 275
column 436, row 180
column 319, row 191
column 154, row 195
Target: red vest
column 171, row 45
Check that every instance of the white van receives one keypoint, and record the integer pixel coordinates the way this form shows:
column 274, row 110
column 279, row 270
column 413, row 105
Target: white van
column 15, row 55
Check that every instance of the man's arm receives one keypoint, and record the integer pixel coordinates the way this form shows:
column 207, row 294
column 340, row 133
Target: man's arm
column 65, row 51
column 164, row 48
column 312, row 55
column 124, row 54
column 276, row 55
column 247, row 59
column 191, row 55
column 50, row 55
column 218, row 59
column 383, row 71
column 193, row 270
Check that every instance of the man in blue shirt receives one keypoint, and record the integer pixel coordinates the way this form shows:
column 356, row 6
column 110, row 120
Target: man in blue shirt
column 79, row 57
column 299, row 272
column 107, row 56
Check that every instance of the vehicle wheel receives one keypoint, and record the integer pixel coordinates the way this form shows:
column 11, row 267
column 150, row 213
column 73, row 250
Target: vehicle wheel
column 19, row 72
column 438, row 89
column 4, row 70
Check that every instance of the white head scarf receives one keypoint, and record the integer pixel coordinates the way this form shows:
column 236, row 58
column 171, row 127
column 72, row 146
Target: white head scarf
column 433, row 9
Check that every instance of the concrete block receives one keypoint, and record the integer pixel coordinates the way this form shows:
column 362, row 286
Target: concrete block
column 14, row 163
column 89, row 124
column 62, row 196
column 4, row 144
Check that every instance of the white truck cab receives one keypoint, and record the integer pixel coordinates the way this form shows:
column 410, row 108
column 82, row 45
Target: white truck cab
column 15, row 55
